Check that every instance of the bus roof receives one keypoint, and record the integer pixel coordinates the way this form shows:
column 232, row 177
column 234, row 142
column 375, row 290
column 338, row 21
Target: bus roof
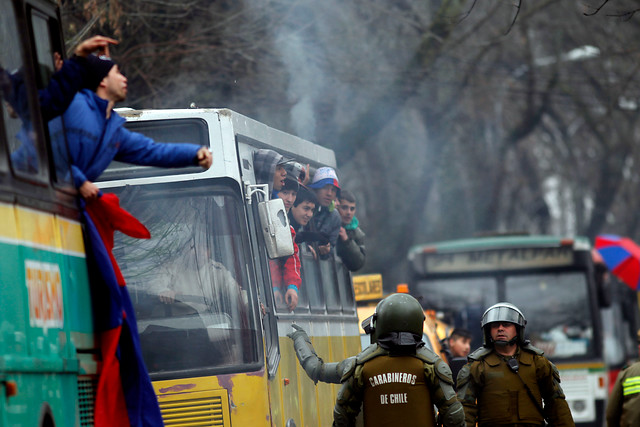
column 260, row 135
column 497, row 253
column 232, row 137
column 502, row 242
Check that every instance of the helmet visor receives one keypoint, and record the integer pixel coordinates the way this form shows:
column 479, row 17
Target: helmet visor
column 503, row 314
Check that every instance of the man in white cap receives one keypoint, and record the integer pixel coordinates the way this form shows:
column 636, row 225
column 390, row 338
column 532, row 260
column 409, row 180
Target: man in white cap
column 327, row 220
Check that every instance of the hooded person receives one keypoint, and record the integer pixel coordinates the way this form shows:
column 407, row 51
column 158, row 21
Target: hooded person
column 96, row 134
column 269, row 168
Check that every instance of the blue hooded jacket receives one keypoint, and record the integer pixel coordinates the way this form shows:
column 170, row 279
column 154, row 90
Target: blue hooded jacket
column 94, row 141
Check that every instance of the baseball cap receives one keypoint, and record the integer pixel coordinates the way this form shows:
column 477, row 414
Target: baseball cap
column 323, row 176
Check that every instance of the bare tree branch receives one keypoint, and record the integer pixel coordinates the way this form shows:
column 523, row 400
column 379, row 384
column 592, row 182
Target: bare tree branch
column 518, row 6
column 596, row 10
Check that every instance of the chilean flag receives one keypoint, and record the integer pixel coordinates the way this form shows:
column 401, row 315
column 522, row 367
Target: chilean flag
column 125, row 396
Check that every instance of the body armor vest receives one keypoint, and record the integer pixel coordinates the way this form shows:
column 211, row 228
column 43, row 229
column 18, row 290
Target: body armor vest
column 503, row 399
column 395, row 392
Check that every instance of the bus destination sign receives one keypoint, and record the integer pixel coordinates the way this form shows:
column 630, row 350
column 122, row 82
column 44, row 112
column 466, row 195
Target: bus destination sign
column 498, row 259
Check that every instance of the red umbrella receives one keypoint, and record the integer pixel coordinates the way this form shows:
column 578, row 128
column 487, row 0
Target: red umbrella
column 622, row 257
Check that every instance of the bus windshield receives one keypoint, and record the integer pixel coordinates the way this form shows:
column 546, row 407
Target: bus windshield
column 459, row 301
column 559, row 320
column 556, row 307
column 189, row 282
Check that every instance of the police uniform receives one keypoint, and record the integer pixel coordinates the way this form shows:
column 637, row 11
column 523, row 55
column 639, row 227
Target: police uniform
column 493, row 395
column 623, row 409
column 397, row 389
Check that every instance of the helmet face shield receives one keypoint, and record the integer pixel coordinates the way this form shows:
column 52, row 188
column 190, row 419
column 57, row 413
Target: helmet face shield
column 503, row 314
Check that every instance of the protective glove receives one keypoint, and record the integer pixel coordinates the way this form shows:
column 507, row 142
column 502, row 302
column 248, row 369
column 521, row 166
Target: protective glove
column 298, row 333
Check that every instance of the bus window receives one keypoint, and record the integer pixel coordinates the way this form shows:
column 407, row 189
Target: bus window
column 189, row 281
column 194, row 131
column 330, row 285
column 303, row 299
column 43, row 50
column 345, row 288
column 16, row 104
column 45, row 47
column 563, row 326
column 310, row 280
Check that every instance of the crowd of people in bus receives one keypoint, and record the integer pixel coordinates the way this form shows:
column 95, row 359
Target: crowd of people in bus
column 321, row 216
column 78, row 106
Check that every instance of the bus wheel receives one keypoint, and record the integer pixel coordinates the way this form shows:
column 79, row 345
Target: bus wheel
column 46, row 417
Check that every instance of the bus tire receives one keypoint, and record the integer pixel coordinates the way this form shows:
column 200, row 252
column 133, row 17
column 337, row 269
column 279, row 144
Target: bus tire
column 46, row 416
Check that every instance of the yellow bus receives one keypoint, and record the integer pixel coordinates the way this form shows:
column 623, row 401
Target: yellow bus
column 212, row 337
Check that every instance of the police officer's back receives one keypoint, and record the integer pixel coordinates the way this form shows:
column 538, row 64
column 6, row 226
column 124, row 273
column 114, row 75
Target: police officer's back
column 507, row 379
column 398, row 380
column 623, row 409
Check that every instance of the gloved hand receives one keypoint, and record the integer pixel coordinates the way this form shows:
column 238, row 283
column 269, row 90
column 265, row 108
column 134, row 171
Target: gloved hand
column 312, row 236
column 298, row 333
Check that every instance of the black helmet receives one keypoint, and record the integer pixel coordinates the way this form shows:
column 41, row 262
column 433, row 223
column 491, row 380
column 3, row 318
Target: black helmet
column 502, row 312
column 398, row 313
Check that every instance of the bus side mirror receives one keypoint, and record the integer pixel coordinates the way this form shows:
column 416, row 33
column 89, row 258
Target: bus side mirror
column 275, row 228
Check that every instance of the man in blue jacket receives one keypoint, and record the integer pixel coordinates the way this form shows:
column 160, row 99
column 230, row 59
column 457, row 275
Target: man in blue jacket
column 96, row 135
column 69, row 77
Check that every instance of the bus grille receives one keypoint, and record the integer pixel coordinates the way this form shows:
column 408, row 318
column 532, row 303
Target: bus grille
column 86, row 400
column 206, row 408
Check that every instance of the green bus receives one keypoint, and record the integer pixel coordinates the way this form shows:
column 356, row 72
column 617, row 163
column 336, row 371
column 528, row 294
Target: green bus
column 48, row 354
column 551, row 279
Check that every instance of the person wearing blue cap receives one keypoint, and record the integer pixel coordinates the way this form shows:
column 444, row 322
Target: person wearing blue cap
column 327, row 219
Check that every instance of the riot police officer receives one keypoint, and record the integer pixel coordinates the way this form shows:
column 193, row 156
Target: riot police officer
column 397, row 379
column 623, row 409
column 507, row 379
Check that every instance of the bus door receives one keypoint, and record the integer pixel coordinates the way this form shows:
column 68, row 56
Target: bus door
column 265, row 292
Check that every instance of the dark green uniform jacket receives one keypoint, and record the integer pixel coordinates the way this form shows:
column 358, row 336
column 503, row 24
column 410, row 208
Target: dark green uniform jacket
column 623, row 409
column 493, row 395
column 397, row 390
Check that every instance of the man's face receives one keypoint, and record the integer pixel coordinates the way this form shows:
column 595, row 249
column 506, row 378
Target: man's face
column 503, row 331
column 115, row 85
column 460, row 346
column 347, row 210
column 303, row 212
column 326, row 194
column 278, row 177
column 288, row 197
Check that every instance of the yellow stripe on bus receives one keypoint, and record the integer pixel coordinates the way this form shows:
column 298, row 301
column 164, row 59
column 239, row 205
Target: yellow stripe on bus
column 8, row 229
column 29, row 227
column 36, row 227
column 71, row 236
